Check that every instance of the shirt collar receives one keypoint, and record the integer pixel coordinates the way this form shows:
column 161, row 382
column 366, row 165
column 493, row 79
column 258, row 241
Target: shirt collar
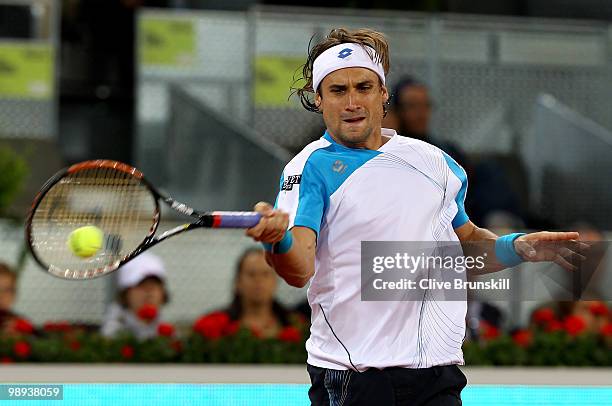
column 388, row 132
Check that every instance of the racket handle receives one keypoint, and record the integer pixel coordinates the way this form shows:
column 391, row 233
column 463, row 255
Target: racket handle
column 235, row 219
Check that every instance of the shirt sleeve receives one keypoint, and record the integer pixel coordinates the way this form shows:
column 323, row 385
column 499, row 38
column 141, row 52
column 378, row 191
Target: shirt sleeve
column 461, row 217
column 303, row 196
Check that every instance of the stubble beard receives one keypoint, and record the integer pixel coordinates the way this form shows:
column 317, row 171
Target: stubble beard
column 355, row 140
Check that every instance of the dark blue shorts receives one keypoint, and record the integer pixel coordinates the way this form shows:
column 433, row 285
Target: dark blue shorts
column 435, row 386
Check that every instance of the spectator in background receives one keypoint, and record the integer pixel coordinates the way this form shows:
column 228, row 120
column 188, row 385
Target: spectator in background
column 491, row 189
column 574, row 317
column 11, row 324
column 8, row 288
column 254, row 305
column 142, row 294
column 588, row 232
column 589, row 315
column 7, row 320
column 411, row 108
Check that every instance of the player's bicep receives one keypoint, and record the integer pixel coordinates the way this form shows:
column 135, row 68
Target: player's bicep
column 307, row 239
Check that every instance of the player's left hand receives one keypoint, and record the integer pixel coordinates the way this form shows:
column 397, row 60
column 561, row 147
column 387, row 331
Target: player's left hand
column 562, row 248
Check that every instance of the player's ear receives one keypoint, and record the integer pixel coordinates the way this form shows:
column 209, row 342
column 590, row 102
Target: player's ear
column 318, row 101
column 385, row 93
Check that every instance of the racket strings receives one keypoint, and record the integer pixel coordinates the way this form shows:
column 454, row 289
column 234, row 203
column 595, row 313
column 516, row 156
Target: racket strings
column 116, row 202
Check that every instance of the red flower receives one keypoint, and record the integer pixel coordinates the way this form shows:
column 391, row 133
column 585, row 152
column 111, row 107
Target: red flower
column 6, row 360
column 290, row 334
column 543, row 316
column 22, row 349
column 23, row 326
column 212, row 325
column 165, row 329
column 606, row 330
column 522, row 338
column 554, row 325
column 231, row 328
column 74, row 345
column 574, row 325
column 60, row 326
column 598, row 309
column 127, row 351
column 176, row 345
column 147, row 312
column 488, row 332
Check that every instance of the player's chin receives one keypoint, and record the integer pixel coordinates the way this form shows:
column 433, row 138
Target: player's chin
column 356, row 133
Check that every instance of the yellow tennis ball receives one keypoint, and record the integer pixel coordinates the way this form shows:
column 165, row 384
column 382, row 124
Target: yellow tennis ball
column 85, row 241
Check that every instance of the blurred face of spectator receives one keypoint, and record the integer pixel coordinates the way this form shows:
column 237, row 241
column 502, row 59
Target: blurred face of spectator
column 414, row 110
column 7, row 291
column 351, row 100
column 150, row 291
column 594, row 321
column 590, row 234
column 256, row 282
column 7, row 325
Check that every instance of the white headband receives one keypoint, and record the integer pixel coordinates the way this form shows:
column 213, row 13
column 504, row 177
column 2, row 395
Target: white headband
column 342, row 56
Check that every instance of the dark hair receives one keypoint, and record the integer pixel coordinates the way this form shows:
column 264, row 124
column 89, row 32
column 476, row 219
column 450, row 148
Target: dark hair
column 404, row 82
column 234, row 310
column 337, row 36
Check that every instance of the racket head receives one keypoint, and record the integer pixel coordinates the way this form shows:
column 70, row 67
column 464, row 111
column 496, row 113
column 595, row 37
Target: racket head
column 110, row 195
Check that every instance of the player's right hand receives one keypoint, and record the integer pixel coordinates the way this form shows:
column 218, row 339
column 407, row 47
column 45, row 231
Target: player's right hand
column 271, row 227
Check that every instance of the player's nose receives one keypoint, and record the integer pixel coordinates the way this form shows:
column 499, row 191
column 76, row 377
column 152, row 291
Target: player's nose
column 353, row 102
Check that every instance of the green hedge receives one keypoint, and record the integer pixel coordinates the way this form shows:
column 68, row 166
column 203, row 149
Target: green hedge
column 213, row 339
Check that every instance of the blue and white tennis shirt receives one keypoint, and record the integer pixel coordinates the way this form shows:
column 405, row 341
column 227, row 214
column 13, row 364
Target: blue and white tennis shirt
column 407, row 190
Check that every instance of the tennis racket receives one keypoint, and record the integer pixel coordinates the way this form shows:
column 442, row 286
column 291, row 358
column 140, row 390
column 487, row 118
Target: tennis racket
column 117, row 199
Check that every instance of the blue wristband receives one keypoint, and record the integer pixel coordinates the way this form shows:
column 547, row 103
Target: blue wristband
column 505, row 252
column 281, row 247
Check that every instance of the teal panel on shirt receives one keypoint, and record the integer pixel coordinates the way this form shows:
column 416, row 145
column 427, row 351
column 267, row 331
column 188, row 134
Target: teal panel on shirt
column 325, row 171
column 461, row 217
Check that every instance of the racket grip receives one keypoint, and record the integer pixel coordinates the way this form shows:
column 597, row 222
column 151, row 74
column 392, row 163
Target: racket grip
column 235, row 219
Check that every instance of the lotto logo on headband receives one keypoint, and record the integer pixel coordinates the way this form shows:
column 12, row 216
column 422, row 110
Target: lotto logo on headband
column 344, row 53
column 337, row 57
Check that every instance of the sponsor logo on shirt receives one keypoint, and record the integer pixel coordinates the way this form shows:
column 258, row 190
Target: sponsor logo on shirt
column 339, row 167
column 290, row 181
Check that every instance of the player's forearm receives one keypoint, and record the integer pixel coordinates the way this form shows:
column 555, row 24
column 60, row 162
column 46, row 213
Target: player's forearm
column 295, row 266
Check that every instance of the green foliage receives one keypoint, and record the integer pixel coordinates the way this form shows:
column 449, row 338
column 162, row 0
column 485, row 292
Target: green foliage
column 243, row 346
column 13, row 171
column 546, row 349
column 74, row 345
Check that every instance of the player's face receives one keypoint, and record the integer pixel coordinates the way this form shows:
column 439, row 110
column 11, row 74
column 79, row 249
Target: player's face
column 351, row 100
column 256, row 282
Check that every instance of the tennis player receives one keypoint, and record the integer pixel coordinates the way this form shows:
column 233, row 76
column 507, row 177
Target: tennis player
column 360, row 182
